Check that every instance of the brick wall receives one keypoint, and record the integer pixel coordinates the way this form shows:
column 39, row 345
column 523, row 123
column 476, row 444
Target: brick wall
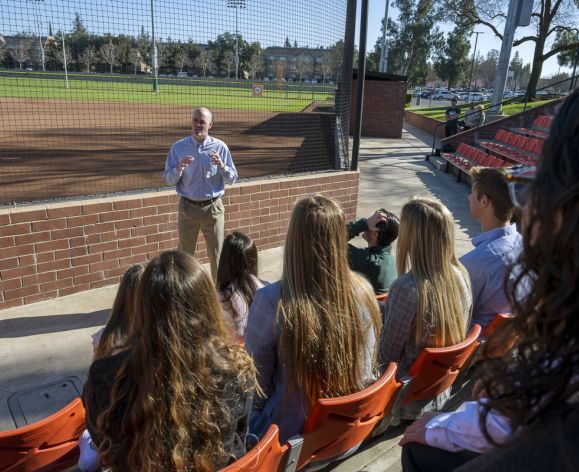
column 383, row 112
column 425, row 123
column 53, row 250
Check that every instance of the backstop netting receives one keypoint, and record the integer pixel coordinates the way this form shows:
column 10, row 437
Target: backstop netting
column 93, row 93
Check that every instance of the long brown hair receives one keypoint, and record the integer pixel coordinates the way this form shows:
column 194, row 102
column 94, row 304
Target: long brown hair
column 116, row 330
column 426, row 247
column 542, row 369
column 323, row 331
column 237, row 265
column 167, row 408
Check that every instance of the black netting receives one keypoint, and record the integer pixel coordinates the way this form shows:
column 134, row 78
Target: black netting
column 85, row 112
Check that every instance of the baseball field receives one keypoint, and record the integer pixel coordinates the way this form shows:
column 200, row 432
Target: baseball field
column 108, row 134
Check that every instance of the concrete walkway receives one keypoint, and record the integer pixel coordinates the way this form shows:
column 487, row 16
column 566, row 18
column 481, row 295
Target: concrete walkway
column 52, row 339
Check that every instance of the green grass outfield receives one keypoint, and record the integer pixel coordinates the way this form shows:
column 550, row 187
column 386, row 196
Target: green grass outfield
column 138, row 89
column 438, row 112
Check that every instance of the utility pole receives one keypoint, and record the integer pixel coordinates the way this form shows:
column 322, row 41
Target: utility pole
column 154, row 55
column 505, row 56
column 472, row 66
column 384, row 51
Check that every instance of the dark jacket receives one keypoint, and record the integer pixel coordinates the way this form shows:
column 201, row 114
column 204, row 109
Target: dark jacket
column 377, row 263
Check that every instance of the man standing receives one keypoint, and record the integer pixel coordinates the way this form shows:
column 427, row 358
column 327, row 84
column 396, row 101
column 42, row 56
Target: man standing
column 452, row 114
column 200, row 166
column 495, row 248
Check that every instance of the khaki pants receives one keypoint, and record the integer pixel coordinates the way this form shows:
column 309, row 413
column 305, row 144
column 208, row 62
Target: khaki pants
column 209, row 219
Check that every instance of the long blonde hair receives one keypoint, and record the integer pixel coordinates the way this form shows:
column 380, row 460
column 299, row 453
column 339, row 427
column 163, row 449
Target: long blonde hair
column 323, row 331
column 167, row 409
column 426, row 244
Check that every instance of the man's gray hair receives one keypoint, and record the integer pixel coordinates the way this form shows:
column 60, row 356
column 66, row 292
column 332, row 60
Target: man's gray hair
column 203, row 111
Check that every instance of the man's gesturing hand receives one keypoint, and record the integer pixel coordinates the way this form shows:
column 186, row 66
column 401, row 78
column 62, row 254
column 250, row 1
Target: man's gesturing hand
column 184, row 163
column 216, row 160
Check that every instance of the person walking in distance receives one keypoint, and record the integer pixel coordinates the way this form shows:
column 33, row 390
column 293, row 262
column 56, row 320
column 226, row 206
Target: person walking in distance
column 200, row 166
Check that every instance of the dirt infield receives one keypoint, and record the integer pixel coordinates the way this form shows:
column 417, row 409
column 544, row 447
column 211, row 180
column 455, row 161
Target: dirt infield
column 59, row 148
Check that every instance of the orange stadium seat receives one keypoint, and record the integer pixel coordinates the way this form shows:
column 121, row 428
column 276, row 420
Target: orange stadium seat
column 436, row 369
column 336, row 426
column 266, row 456
column 47, row 445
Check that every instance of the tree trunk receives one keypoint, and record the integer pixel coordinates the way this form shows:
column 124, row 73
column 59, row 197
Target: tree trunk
column 536, row 71
column 111, row 68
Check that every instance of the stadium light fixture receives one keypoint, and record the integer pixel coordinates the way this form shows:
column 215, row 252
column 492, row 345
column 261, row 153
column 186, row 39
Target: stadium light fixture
column 236, row 4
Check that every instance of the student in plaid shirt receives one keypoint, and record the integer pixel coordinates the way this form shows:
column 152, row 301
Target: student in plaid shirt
column 430, row 303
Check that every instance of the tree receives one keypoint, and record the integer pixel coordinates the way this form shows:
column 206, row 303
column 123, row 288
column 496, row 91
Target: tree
column 135, row 59
column 549, row 18
column 485, row 69
column 287, row 43
column 88, row 57
column 295, row 44
column 451, row 63
column 181, row 59
column 229, row 62
column 568, row 57
column 412, row 38
column 300, row 66
column 21, row 53
column 255, row 65
column 110, row 54
column 205, row 60
column 327, row 67
column 64, row 53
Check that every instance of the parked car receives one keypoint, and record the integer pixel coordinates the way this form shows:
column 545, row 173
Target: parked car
column 476, row 97
column 446, row 95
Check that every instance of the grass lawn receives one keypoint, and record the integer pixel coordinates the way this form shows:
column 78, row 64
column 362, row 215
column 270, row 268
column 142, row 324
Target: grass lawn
column 177, row 92
column 510, row 109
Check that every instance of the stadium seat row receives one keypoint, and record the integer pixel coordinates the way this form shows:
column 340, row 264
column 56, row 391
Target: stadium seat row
column 540, row 127
column 335, row 426
column 467, row 156
column 515, row 147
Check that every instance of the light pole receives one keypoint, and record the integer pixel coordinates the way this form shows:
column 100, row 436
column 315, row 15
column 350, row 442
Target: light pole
column 472, row 66
column 154, row 54
column 236, row 4
column 38, row 29
column 64, row 60
column 384, row 51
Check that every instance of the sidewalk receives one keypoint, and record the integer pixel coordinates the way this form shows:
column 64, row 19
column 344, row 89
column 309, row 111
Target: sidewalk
column 52, row 339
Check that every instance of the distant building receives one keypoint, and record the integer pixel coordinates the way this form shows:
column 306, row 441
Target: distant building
column 299, row 63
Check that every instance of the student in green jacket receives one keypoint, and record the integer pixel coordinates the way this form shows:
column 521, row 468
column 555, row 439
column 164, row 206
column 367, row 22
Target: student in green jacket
column 376, row 262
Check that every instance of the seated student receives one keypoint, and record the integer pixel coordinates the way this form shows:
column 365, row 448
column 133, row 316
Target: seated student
column 474, row 117
column 376, row 262
column 179, row 396
column 313, row 333
column 237, row 279
column 429, row 305
column 530, row 401
column 496, row 247
column 110, row 339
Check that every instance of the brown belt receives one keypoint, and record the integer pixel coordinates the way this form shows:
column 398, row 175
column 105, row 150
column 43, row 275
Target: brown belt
column 201, row 203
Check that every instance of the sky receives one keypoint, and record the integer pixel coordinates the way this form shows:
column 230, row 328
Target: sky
column 311, row 23
column 486, row 41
